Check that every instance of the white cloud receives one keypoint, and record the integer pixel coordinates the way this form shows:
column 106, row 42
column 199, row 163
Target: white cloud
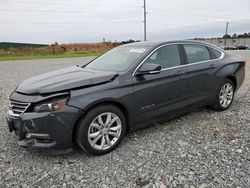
column 44, row 21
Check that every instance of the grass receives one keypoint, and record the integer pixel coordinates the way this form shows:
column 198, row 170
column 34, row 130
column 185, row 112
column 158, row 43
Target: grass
column 46, row 56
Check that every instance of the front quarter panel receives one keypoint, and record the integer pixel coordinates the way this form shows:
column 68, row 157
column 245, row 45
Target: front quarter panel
column 119, row 91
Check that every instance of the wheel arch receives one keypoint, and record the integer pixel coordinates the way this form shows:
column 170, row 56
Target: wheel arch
column 233, row 79
column 119, row 105
column 231, row 72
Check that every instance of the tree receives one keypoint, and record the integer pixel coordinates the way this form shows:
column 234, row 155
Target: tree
column 245, row 35
column 227, row 36
column 128, row 41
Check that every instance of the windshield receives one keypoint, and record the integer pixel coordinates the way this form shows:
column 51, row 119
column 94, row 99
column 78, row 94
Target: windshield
column 117, row 59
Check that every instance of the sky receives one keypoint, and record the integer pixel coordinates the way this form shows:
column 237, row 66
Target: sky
column 79, row 21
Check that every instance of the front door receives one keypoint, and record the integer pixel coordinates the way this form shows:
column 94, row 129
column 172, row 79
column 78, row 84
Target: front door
column 156, row 94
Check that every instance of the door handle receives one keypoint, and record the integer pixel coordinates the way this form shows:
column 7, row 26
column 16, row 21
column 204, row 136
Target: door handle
column 213, row 66
column 180, row 72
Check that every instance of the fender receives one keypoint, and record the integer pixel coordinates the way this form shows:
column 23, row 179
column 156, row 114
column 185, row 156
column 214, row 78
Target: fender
column 228, row 69
column 122, row 97
column 233, row 70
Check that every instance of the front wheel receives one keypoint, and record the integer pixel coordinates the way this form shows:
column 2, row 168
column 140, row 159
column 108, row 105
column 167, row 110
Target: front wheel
column 101, row 129
column 225, row 96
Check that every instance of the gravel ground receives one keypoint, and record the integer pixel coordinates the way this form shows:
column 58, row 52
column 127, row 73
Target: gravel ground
column 201, row 149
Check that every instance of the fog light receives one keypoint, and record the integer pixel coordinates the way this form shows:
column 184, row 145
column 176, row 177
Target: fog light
column 37, row 135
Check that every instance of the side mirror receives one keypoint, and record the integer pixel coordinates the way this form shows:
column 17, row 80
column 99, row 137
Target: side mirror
column 149, row 68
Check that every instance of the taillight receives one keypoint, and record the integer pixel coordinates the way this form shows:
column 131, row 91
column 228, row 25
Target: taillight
column 245, row 62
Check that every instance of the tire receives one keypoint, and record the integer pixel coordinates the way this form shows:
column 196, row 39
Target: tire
column 96, row 125
column 218, row 105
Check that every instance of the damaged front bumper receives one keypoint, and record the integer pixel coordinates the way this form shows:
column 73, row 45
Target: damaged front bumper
column 46, row 130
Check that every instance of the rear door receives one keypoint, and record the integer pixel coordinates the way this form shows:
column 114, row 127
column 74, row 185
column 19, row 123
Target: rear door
column 157, row 94
column 201, row 68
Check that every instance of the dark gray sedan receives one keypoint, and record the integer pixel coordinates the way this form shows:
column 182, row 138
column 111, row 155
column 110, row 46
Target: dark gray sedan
column 97, row 104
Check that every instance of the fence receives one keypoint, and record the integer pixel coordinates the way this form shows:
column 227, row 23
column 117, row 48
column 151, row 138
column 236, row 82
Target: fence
column 228, row 41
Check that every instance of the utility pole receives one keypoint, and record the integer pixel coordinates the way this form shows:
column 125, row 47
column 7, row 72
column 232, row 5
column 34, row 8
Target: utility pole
column 225, row 42
column 145, row 21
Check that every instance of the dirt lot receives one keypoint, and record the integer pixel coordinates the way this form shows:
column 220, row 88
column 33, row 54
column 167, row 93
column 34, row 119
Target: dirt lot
column 201, row 149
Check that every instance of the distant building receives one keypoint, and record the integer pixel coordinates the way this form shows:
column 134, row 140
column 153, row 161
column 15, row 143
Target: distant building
column 229, row 41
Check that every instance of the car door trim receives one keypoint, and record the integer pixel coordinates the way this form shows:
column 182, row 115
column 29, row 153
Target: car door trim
column 221, row 57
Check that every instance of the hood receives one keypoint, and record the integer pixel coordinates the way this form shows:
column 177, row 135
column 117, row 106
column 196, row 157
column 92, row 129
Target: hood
column 64, row 79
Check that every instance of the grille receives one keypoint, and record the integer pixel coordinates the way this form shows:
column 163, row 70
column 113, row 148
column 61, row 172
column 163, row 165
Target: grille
column 18, row 108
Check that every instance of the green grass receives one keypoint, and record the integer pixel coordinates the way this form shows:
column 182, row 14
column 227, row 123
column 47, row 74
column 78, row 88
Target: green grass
column 46, row 56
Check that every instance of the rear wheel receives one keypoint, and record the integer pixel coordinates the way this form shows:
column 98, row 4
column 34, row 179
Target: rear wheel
column 225, row 96
column 101, row 129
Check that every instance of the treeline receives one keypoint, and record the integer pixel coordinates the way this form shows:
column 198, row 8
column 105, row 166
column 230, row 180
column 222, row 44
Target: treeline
column 4, row 45
column 245, row 35
column 235, row 36
column 129, row 41
column 57, row 49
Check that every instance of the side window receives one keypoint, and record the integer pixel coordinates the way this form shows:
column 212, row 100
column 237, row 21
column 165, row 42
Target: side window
column 167, row 56
column 196, row 53
column 215, row 54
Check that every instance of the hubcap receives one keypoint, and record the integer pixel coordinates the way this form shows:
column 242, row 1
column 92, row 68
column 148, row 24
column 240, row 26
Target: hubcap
column 226, row 95
column 104, row 131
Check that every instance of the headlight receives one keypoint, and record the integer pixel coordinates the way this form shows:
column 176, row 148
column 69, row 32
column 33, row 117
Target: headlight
column 51, row 105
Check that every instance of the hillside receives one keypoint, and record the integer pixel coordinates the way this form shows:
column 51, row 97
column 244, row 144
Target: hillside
column 19, row 45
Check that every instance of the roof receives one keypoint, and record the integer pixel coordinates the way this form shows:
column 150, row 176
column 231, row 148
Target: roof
column 159, row 43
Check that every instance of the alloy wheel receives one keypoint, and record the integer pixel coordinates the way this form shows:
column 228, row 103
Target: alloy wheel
column 104, row 131
column 226, row 95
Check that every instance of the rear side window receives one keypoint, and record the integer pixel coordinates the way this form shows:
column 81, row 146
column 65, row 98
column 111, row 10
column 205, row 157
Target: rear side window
column 196, row 53
column 215, row 54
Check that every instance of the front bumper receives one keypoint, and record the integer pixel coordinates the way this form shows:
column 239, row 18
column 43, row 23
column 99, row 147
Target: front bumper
column 47, row 130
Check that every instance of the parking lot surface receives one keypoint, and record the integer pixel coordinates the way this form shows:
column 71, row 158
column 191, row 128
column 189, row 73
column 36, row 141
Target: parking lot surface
column 200, row 149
